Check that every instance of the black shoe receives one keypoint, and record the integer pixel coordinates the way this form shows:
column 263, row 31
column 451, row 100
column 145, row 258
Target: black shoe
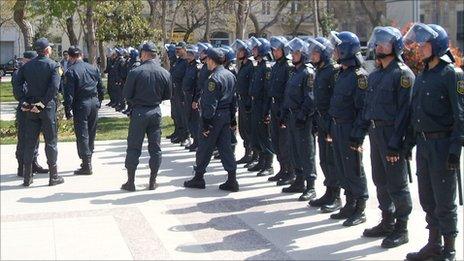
column 383, row 229
column 245, row 159
column 287, row 179
column 347, row 210
column 277, row 176
column 258, row 166
column 36, row 168
column 152, row 185
column 431, row 251
column 54, row 178
column 185, row 143
column 296, row 187
column 325, row 199
column 358, row 216
column 230, row 185
column 196, row 182
column 397, row 237
column 449, row 250
column 27, row 175
column 265, row 172
column 308, row 194
column 335, row 205
column 129, row 185
column 86, row 167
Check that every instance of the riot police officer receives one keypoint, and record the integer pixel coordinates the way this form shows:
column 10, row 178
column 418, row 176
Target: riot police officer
column 119, row 75
column 146, row 87
column 42, row 76
column 83, row 94
column 386, row 111
column 346, row 111
column 278, row 79
column 177, row 100
column 321, row 57
column 20, row 119
column 217, row 114
column 297, row 115
column 134, row 62
column 188, row 87
column 244, row 77
column 258, row 91
column 437, row 109
column 111, row 71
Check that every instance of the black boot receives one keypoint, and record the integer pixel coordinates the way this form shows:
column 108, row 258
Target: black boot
column 449, row 251
column 54, row 178
column 358, row 216
column 246, row 158
column 297, row 186
column 152, row 183
column 86, row 167
column 258, row 166
column 398, row 237
column 196, row 182
column 384, row 228
column 334, row 203
column 27, row 175
column 20, row 168
column 36, row 168
column 253, row 160
column 309, row 193
column 432, row 250
column 277, row 176
column 347, row 210
column 267, row 167
column 287, row 179
column 129, row 185
column 322, row 200
column 231, row 184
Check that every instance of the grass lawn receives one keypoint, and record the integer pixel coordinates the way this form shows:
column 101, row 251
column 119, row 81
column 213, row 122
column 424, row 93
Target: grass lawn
column 6, row 92
column 108, row 129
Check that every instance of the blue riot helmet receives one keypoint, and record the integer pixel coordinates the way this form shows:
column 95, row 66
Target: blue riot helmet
column 298, row 45
column 229, row 53
column 262, row 45
column 421, row 33
column 322, row 46
column 347, row 45
column 134, row 53
column 241, row 45
column 382, row 35
column 279, row 42
column 192, row 49
column 118, row 51
column 202, row 49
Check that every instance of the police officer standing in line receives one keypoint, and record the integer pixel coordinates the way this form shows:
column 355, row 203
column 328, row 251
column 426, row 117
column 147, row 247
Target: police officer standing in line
column 244, row 77
column 297, row 115
column 217, row 113
column 20, row 119
column 321, row 57
column 146, row 87
column 189, row 84
column 134, row 62
column 437, row 120
column 110, row 65
column 346, row 111
column 177, row 100
column 386, row 111
column 279, row 76
column 119, row 79
column 83, row 94
column 42, row 76
column 260, row 118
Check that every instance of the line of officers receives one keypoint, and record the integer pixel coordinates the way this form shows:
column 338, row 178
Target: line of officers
column 288, row 95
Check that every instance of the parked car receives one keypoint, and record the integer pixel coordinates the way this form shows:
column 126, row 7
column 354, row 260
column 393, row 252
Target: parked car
column 8, row 68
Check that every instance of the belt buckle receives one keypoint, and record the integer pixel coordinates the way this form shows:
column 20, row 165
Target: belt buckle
column 373, row 124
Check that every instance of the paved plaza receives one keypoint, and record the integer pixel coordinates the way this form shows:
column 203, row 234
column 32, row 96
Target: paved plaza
column 89, row 217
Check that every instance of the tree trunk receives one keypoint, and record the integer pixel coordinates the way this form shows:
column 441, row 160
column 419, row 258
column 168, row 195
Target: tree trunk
column 91, row 38
column 152, row 4
column 163, row 21
column 173, row 21
column 316, row 17
column 260, row 30
column 24, row 25
column 241, row 13
column 208, row 20
column 70, row 29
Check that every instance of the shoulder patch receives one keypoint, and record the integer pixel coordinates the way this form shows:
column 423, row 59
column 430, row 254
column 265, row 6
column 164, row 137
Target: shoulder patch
column 362, row 79
column 268, row 75
column 405, row 82
column 211, row 86
column 460, row 87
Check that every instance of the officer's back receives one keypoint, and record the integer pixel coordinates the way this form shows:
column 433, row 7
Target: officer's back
column 87, row 81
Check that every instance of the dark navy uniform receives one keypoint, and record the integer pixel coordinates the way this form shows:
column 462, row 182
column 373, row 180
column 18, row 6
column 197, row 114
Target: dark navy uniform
column 297, row 113
column 387, row 112
column 146, row 87
column 232, row 67
column 260, row 133
column 111, row 71
column 83, row 93
column 189, row 84
column 438, row 120
column 346, row 111
column 244, row 77
column 278, row 80
column 178, row 100
column 119, row 78
column 42, row 76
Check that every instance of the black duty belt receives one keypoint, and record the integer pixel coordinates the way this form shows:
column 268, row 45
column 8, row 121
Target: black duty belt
column 434, row 135
column 380, row 123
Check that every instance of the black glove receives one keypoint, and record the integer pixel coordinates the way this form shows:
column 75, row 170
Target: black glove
column 68, row 114
column 391, row 152
column 453, row 161
column 300, row 123
column 233, row 122
column 207, row 125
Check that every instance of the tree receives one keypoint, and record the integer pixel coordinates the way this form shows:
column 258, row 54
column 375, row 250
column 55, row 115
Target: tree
column 301, row 12
column 90, row 31
column 6, row 11
column 19, row 15
column 242, row 11
column 195, row 17
column 373, row 9
column 259, row 30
